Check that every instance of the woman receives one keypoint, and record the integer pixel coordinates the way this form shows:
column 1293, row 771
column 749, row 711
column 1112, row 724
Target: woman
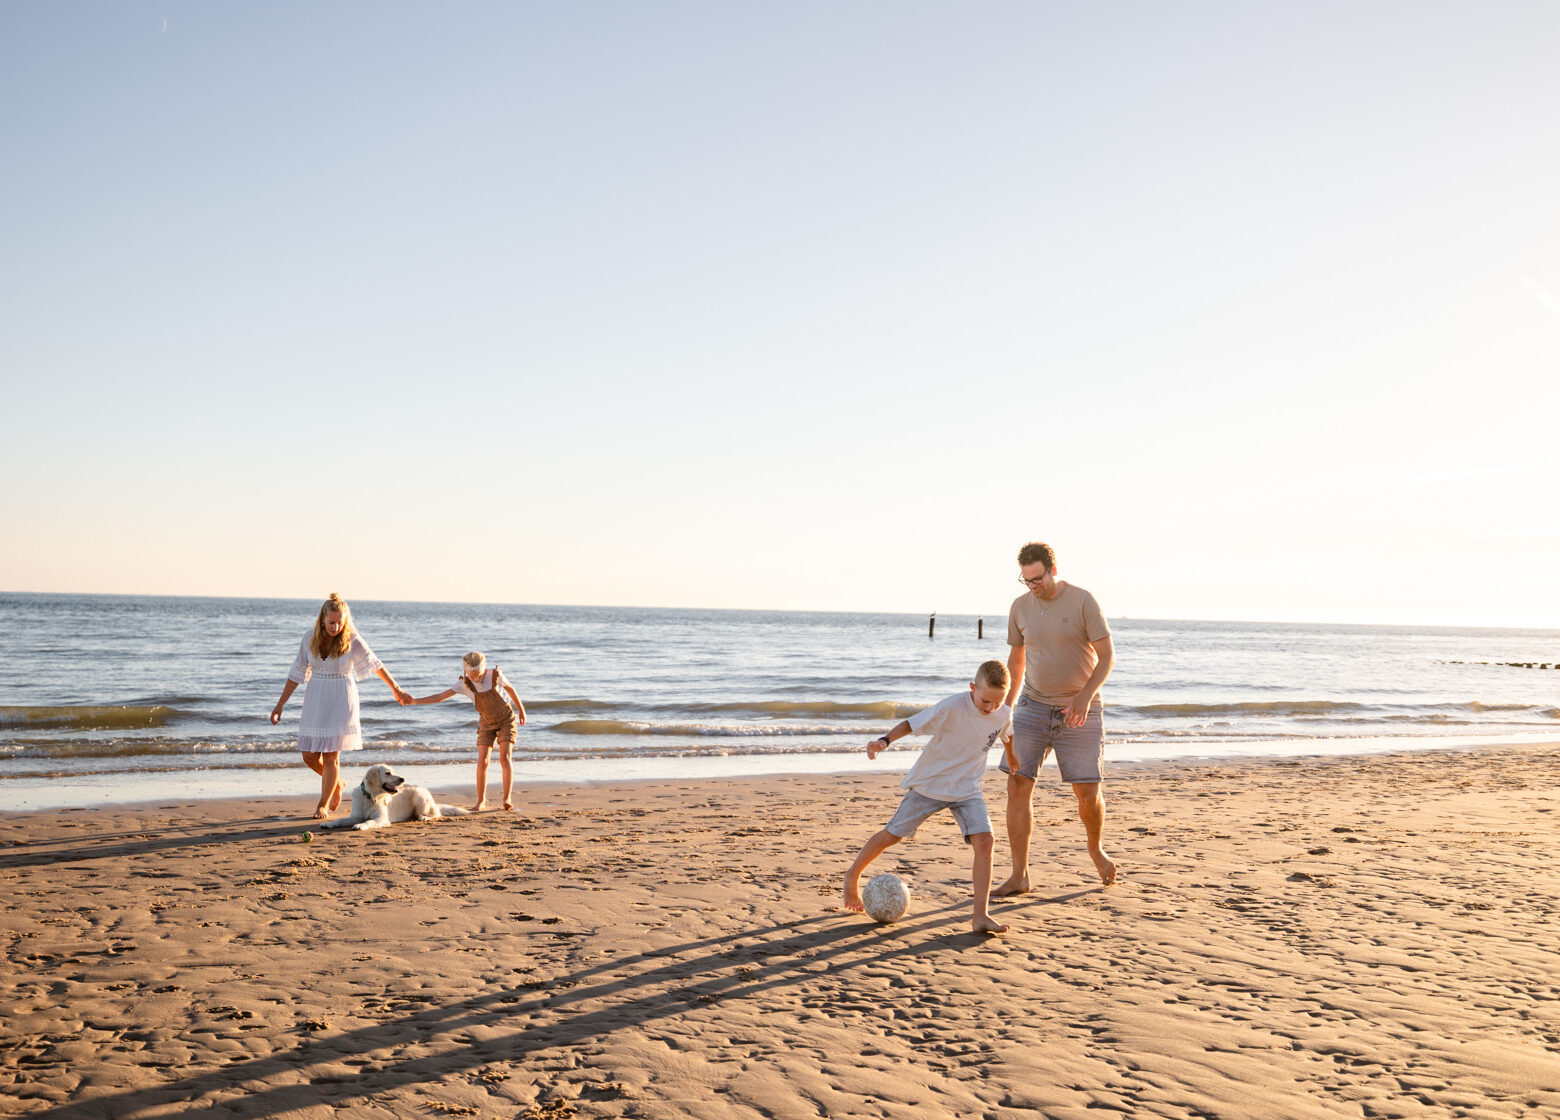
column 331, row 661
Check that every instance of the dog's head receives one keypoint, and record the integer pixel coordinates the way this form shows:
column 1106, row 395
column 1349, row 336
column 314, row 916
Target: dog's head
column 381, row 781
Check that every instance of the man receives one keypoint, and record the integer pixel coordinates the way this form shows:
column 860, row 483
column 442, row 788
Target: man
column 1061, row 654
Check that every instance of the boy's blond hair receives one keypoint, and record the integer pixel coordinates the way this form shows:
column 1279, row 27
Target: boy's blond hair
column 325, row 647
column 473, row 660
column 994, row 673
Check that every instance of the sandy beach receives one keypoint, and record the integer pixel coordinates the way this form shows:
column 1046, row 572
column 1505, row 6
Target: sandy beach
column 1347, row 937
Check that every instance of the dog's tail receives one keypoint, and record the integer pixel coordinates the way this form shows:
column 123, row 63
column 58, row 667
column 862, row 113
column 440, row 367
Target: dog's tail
column 453, row 811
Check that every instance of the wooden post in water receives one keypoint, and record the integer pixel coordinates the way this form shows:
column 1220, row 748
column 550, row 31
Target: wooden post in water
column 931, row 625
column 980, row 628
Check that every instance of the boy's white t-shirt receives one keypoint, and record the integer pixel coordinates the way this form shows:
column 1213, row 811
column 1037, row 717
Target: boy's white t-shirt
column 952, row 765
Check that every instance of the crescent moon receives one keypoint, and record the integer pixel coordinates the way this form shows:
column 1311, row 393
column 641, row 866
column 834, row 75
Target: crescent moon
column 164, row 26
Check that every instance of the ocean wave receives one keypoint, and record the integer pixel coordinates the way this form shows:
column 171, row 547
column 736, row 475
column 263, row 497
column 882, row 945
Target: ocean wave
column 577, row 705
column 696, row 730
column 135, row 748
column 88, row 717
column 1322, row 709
column 878, row 709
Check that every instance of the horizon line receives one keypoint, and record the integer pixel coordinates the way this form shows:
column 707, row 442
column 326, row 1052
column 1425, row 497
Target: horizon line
column 783, row 610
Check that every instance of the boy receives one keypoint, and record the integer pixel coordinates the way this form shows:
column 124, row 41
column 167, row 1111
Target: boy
column 948, row 776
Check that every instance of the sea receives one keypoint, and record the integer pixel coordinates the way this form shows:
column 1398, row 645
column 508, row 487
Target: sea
column 120, row 699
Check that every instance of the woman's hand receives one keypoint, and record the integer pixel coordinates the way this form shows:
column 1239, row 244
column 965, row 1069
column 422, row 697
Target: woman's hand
column 276, row 715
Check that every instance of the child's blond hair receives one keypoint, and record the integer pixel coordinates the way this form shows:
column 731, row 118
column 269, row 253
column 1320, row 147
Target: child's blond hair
column 994, row 674
column 325, row 646
column 474, row 660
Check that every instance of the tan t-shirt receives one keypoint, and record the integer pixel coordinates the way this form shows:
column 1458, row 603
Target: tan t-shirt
column 1055, row 634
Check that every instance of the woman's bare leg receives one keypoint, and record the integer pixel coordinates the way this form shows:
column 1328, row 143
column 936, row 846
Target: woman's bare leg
column 328, row 767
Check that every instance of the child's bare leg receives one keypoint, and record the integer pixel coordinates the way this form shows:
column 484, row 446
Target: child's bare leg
column 483, row 750
column 507, row 766
column 981, row 844
column 873, row 848
column 330, row 778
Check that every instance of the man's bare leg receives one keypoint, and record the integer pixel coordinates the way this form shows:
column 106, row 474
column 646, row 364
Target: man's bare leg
column 873, row 848
column 982, row 844
column 1091, row 811
column 1020, row 822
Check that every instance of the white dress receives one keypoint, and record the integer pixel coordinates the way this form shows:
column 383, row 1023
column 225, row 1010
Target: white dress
column 330, row 700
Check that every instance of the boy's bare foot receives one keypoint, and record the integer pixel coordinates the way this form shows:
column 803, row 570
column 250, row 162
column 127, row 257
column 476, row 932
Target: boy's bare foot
column 988, row 925
column 853, row 897
column 335, row 795
column 479, row 806
column 1104, row 865
column 320, row 812
column 1015, row 884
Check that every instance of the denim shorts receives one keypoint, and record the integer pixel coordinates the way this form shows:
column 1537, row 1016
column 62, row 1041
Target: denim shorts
column 915, row 808
column 1039, row 729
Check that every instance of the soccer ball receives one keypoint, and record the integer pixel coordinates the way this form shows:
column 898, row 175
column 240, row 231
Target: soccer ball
column 886, row 898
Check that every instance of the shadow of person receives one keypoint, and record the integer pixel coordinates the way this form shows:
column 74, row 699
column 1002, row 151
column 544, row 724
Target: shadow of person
column 556, row 1013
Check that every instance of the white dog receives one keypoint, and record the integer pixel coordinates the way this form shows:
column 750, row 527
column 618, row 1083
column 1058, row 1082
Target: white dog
column 385, row 798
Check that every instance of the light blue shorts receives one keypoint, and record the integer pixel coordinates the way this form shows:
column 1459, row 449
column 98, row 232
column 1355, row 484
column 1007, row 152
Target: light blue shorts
column 915, row 808
column 1039, row 729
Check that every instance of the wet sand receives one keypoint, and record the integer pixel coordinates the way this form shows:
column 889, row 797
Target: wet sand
column 1355, row 937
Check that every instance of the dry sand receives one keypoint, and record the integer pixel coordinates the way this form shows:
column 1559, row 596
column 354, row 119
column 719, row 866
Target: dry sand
column 1354, row 937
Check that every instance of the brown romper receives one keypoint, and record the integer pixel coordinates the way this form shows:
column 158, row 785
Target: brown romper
column 496, row 720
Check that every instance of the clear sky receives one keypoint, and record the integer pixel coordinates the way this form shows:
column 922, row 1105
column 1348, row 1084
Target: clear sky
column 1252, row 311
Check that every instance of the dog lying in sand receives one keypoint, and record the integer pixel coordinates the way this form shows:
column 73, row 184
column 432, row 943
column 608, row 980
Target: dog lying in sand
column 384, row 798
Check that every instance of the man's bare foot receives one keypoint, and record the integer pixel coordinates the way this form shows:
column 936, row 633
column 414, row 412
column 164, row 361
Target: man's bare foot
column 853, row 897
column 479, row 806
column 335, row 796
column 988, row 925
column 1015, row 884
column 1104, row 865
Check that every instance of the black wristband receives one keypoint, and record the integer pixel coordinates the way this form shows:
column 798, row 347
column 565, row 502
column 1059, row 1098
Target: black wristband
column 885, row 740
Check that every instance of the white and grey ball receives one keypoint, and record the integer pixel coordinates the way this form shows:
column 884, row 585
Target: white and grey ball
column 886, row 898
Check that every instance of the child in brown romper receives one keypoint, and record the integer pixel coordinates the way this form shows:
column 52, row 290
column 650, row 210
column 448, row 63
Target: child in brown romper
column 496, row 721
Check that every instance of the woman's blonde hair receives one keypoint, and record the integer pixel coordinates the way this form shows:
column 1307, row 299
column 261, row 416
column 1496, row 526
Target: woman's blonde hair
column 473, row 660
column 324, row 645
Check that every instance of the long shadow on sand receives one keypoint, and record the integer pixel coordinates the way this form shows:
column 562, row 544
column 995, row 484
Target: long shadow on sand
column 109, row 845
column 659, row 985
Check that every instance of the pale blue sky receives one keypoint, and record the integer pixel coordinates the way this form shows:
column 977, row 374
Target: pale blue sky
column 1251, row 311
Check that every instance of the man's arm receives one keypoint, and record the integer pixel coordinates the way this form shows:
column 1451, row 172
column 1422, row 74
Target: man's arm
column 1078, row 710
column 1015, row 673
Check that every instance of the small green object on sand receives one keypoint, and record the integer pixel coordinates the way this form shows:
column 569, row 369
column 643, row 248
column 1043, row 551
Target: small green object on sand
column 307, row 836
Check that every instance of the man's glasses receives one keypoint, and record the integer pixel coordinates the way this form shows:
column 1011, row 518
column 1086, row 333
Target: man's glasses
column 1034, row 582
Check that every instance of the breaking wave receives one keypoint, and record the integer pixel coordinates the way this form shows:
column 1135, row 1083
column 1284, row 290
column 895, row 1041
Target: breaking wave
column 695, row 730
column 88, row 717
